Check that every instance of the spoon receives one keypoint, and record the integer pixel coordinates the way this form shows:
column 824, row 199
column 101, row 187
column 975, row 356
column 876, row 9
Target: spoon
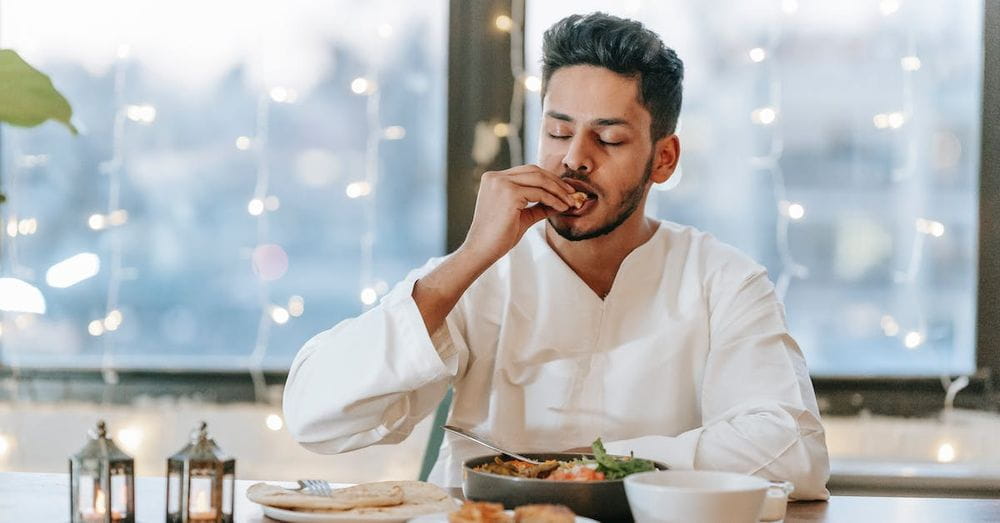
column 487, row 443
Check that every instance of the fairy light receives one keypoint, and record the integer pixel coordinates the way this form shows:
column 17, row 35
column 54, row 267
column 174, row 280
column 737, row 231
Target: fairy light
column 97, row 222
column 360, row 86
column 144, row 114
column 130, row 439
column 368, row 296
column 889, row 325
column 888, row 7
column 283, row 95
column 504, row 23
column 95, row 328
column 12, row 228
column 358, row 189
column 243, row 143
column 930, row 227
column 279, row 315
column 394, row 132
column 117, row 217
column 533, row 83
column 296, row 306
column 6, row 442
column 255, row 207
column 272, row 203
column 910, row 63
column 946, row 453
column 274, row 422
column 796, row 211
column 73, row 270
column 913, row 339
column 501, row 130
column 764, row 115
column 113, row 320
column 757, row 54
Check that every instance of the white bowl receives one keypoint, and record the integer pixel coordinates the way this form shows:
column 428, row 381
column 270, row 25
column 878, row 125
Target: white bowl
column 695, row 496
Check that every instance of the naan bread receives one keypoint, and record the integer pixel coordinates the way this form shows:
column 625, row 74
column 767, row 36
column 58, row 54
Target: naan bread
column 386, row 499
column 359, row 496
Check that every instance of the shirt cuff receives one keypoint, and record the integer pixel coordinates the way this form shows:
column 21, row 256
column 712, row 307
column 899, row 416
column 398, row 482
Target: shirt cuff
column 677, row 452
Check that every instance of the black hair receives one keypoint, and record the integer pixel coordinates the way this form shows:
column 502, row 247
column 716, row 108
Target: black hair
column 627, row 48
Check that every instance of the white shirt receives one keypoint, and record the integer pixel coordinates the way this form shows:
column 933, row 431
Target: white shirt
column 687, row 361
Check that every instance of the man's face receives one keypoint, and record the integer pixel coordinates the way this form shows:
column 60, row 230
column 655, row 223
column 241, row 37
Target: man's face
column 595, row 134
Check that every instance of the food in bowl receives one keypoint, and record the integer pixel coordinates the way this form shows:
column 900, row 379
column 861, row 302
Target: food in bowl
column 480, row 512
column 601, row 467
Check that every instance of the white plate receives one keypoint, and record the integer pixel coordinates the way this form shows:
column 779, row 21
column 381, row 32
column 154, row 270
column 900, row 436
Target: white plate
column 443, row 518
column 293, row 516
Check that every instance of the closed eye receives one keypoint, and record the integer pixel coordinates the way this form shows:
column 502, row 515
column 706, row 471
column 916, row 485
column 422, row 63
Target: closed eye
column 610, row 143
column 559, row 136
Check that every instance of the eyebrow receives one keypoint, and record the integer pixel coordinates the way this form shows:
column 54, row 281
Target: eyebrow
column 597, row 122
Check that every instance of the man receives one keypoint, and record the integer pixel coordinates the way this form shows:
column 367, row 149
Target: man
column 557, row 323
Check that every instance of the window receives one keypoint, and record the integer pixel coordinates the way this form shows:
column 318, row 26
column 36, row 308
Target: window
column 248, row 174
column 838, row 144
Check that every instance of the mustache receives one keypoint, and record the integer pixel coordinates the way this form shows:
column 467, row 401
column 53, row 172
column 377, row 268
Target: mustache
column 581, row 177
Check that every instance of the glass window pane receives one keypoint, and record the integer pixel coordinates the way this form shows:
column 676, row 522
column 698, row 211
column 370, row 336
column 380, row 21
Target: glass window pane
column 837, row 143
column 247, row 175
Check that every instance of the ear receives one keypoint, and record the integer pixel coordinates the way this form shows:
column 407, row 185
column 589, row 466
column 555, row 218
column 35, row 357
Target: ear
column 666, row 154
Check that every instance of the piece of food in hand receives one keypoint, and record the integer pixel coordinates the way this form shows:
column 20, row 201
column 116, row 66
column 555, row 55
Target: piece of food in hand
column 543, row 514
column 579, row 199
column 480, row 512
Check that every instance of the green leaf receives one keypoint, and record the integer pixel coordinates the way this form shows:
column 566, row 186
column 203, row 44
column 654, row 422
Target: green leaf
column 617, row 468
column 27, row 96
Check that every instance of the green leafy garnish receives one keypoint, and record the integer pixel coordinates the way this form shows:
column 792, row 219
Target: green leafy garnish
column 618, row 468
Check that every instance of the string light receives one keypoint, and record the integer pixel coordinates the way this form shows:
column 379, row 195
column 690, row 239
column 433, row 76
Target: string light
column 504, row 23
column 95, row 328
column 274, row 422
column 888, row 7
column 6, row 442
column 130, row 439
column 360, row 86
column 757, row 54
column 283, row 95
column 913, row 339
column 764, row 115
column 296, row 306
column 255, row 207
column 395, row 132
column 279, row 315
column 946, row 453
column 910, row 63
column 113, row 320
column 533, row 83
column 358, row 189
column 73, row 270
column 930, row 227
column 243, row 143
column 144, row 114
column 889, row 325
column 368, row 296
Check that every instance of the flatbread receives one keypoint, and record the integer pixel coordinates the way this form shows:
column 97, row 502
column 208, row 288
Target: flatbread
column 415, row 498
column 579, row 199
column 359, row 496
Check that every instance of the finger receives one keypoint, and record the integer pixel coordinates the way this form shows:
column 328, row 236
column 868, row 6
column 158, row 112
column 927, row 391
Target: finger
column 556, row 187
column 534, row 169
column 542, row 196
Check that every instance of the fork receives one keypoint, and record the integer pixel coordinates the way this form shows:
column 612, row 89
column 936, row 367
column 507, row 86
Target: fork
column 314, row 487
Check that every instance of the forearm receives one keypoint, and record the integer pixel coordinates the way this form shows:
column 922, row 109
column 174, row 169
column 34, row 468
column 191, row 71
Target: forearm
column 437, row 293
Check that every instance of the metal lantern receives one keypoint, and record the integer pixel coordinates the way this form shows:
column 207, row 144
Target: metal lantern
column 102, row 481
column 200, row 481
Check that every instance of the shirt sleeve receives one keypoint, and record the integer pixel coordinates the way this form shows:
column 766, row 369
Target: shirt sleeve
column 759, row 409
column 372, row 378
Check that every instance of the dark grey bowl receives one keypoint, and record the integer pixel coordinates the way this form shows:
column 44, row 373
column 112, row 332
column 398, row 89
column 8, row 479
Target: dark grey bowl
column 600, row 500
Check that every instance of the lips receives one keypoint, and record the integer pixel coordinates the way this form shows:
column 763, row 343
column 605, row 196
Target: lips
column 585, row 189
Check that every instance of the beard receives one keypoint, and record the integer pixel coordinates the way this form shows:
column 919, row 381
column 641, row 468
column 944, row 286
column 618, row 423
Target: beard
column 630, row 202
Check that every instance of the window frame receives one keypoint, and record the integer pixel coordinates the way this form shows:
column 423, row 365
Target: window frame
column 479, row 89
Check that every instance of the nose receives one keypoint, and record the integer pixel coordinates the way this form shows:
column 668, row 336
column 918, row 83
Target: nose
column 577, row 157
